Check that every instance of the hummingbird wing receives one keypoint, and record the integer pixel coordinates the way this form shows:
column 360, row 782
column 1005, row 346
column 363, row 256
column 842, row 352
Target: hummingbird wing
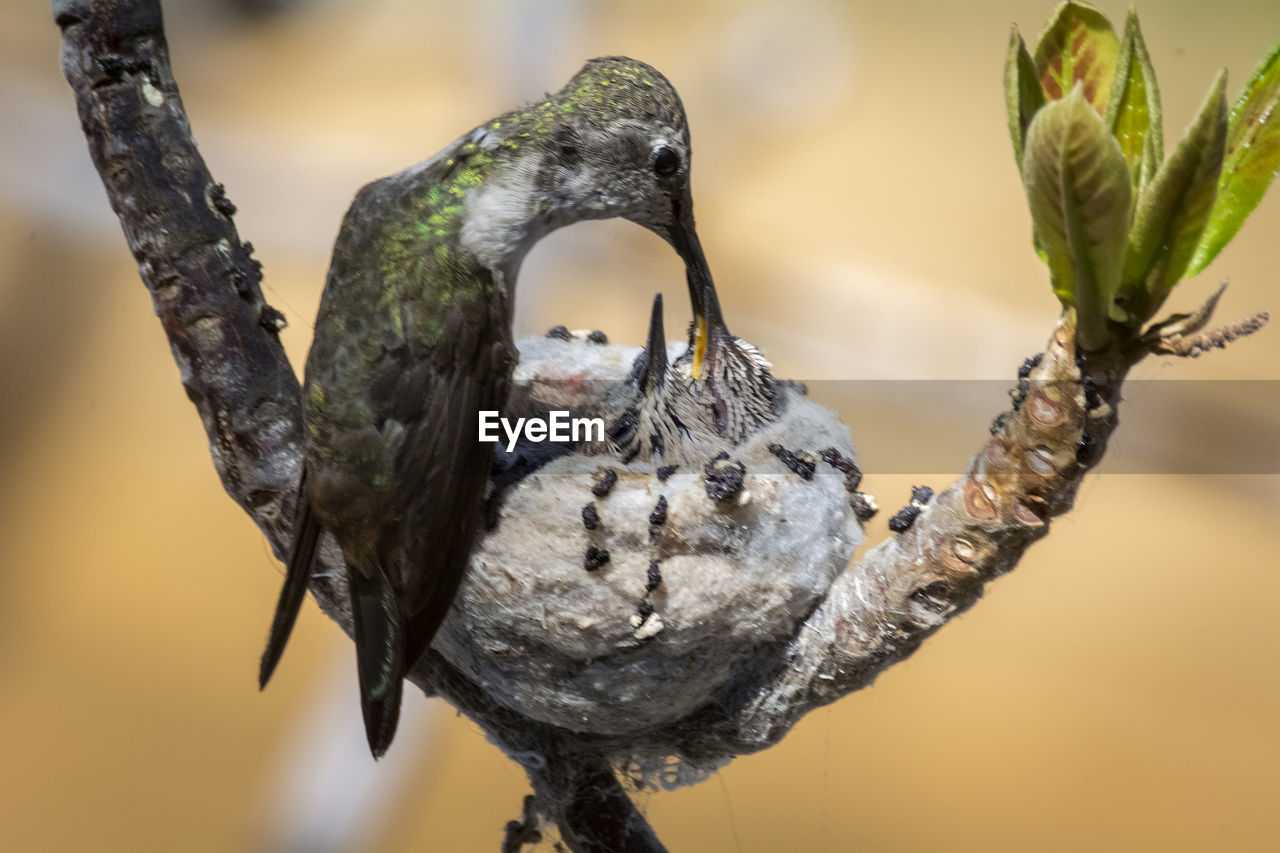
column 413, row 337
column 427, row 402
column 442, row 469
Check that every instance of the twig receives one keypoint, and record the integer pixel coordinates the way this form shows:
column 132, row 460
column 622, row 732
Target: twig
column 1193, row 346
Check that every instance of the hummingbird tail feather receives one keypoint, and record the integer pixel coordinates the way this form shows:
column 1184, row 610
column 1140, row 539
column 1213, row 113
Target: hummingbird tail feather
column 379, row 656
column 301, row 554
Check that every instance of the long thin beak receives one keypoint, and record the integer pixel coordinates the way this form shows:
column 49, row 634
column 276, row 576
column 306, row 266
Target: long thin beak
column 655, row 351
column 708, row 323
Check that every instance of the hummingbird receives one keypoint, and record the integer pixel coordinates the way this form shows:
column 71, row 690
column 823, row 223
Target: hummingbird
column 414, row 337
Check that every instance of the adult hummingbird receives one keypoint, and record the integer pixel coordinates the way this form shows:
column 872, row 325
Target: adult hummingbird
column 414, row 337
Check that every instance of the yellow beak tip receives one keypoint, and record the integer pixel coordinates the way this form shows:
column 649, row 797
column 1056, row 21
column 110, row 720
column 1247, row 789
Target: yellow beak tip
column 699, row 347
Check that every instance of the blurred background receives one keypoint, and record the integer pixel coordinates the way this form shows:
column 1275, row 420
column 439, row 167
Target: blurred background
column 859, row 204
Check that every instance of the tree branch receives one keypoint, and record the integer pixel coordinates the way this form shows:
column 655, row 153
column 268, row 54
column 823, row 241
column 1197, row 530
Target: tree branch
column 177, row 221
column 223, row 335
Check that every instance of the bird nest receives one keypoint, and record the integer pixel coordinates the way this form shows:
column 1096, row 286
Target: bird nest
column 611, row 596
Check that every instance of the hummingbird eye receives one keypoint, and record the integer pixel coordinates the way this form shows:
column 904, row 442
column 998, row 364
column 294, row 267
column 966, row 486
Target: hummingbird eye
column 566, row 147
column 666, row 162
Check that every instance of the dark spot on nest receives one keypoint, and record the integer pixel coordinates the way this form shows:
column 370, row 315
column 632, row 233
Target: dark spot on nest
column 659, row 514
column 837, row 460
column 605, row 480
column 1029, row 365
column 666, row 471
column 658, row 517
column 590, row 518
column 598, row 337
column 862, row 507
column 596, row 557
column 921, row 495
column 723, row 478
column 560, row 333
column 653, row 579
column 645, row 610
column 904, row 518
column 801, row 464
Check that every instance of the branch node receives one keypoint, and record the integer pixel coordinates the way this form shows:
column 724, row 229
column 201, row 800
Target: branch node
column 979, row 501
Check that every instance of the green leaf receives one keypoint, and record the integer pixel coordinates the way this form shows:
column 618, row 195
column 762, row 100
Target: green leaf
column 1077, row 46
column 1078, row 190
column 1133, row 110
column 1251, row 161
column 1022, row 92
column 1174, row 209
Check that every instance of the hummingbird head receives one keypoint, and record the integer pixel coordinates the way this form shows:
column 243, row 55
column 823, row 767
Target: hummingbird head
column 620, row 148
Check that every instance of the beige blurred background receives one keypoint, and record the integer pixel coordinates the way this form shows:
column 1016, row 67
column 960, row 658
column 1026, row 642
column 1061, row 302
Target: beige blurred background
column 859, row 204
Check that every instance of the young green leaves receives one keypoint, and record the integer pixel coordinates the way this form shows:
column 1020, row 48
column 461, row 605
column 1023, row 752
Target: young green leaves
column 1077, row 46
column 1117, row 224
column 1023, row 94
column 1173, row 209
column 1251, row 162
column 1133, row 109
column 1077, row 186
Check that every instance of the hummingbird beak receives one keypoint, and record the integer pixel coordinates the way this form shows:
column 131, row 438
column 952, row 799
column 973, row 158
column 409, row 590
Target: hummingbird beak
column 708, row 324
column 655, row 351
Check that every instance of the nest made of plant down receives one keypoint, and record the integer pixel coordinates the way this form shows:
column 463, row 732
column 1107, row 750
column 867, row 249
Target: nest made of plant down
column 614, row 597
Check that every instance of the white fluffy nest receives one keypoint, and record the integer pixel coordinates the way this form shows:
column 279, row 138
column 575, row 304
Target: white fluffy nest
column 594, row 651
